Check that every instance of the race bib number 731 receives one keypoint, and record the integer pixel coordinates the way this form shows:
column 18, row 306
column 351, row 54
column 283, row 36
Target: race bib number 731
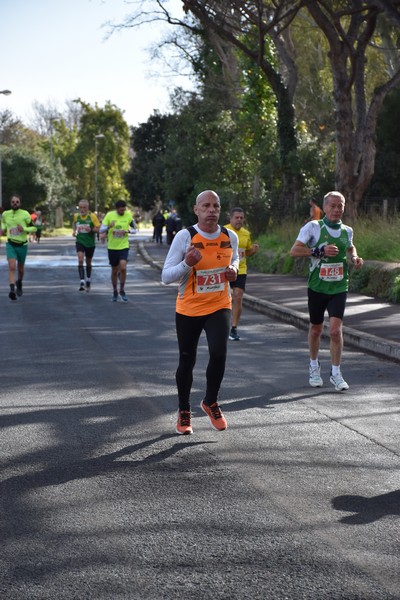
column 210, row 280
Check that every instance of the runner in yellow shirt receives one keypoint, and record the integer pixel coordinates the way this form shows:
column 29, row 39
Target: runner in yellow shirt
column 246, row 248
column 16, row 224
column 116, row 226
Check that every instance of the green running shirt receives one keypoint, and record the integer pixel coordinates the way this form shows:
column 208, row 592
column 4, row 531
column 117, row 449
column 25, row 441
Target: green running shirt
column 84, row 229
column 330, row 275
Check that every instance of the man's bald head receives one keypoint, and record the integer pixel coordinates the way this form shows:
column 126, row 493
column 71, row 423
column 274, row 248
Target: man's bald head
column 206, row 195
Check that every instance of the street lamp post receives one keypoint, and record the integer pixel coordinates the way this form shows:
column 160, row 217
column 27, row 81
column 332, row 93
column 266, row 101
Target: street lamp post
column 6, row 93
column 99, row 136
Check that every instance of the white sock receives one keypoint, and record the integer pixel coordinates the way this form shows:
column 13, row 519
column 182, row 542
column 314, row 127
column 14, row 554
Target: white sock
column 335, row 370
column 314, row 364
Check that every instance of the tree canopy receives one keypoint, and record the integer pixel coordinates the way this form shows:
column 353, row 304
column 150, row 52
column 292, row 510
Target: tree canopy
column 290, row 99
column 349, row 34
column 55, row 165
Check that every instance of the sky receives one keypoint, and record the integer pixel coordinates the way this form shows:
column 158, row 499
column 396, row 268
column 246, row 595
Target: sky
column 55, row 50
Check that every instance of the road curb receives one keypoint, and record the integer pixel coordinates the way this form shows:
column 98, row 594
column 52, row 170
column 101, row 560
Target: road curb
column 352, row 337
column 153, row 263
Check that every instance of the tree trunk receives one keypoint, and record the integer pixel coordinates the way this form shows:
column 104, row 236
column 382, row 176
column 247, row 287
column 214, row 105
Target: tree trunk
column 59, row 217
column 355, row 122
column 288, row 150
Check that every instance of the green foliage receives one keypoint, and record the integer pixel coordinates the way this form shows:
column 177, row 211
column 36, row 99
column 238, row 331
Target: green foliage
column 220, row 137
column 25, row 174
column 377, row 239
column 31, row 175
column 317, row 165
column 394, row 292
column 112, row 154
column 376, row 279
column 208, row 148
column 229, row 134
column 145, row 179
column 14, row 133
column 288, row 264
column 378, row 242
column 210, row 143
column 313, row 97
column 56, row 168
column 359, row 279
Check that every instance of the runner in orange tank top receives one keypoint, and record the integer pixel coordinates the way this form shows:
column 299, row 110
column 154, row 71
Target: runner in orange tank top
column 204, row 259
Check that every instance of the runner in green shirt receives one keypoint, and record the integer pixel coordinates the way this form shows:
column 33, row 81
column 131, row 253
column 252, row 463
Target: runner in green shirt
column 116, row 226
column 328, row 243
column 84, row 228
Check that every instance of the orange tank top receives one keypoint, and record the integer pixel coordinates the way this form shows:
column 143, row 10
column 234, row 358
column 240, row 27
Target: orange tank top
column 205, row 289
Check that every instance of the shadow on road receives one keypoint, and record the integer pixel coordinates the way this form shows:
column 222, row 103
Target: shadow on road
column 367, row 510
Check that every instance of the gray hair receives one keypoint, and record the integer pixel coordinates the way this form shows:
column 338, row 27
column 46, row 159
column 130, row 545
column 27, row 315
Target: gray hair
column 334, row 195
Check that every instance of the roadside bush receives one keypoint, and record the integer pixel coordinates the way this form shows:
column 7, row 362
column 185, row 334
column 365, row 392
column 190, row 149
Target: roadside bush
column 377, row 241
column 359, row 278
column 394, row 292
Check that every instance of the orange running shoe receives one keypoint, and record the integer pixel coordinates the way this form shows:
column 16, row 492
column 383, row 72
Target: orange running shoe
column 184, row 422
column 217, row 419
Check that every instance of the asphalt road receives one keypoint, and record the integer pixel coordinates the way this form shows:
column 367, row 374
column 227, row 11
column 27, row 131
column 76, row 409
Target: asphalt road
column 100, row 499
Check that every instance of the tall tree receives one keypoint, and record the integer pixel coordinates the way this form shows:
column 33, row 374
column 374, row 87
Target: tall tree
column 248, row 27
column 30, row 174
column 145, row 178
column 112, row 145
column 351, row 31
column 14, row 133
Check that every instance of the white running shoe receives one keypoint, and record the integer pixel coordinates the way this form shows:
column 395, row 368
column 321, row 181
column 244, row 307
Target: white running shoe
column 339, row 383
column 315, row 376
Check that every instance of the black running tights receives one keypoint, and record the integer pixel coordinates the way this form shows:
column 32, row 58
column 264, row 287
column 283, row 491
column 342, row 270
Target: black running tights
column 216, row 326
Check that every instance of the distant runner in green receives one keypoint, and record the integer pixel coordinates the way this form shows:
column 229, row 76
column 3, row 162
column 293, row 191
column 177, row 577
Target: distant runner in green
column 84, row 228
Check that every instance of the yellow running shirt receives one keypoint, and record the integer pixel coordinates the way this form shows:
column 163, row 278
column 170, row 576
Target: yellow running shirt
column 117, row 236
column 245, row 243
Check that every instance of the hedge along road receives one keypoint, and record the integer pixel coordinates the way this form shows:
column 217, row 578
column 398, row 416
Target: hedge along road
column 100, row 499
